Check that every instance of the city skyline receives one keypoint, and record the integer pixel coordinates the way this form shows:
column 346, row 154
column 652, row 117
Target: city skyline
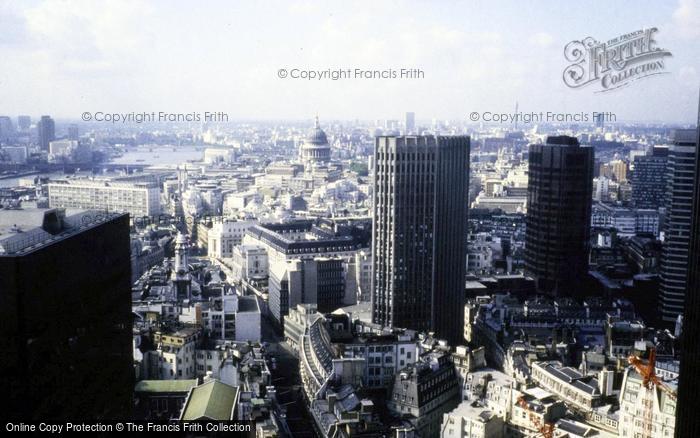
column 314, row 219
column 104, row 61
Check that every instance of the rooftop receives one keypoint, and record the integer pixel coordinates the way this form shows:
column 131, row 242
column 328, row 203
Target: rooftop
column 472, row 411
column 213, row 400
column 23, row 233
column 160, row 386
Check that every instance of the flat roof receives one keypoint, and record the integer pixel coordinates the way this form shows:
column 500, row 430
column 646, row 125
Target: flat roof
column 156, row 386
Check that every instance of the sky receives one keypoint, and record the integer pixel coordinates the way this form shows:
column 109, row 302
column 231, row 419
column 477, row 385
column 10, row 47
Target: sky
column 65, row 57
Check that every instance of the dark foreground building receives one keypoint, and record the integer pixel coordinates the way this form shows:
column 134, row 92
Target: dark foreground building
column 65, row 307
column 419, row 233
column 558, row 222
column 687, row 418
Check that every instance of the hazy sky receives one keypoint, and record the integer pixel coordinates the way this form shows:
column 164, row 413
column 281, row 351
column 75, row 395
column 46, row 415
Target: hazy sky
column 66, row 57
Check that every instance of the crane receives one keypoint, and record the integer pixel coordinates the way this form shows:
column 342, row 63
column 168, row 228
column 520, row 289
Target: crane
column 650, row 381
column 546, row 429
column 648, row 373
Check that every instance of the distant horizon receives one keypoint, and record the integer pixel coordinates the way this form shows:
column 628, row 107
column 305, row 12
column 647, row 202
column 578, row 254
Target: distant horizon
column 326, row 122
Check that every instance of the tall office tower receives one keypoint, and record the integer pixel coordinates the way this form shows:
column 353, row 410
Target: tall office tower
column 680, row 181
column 410, row 123
column 65, row 307
column 619, row 170
column 687, row 419
column 7, row 129
column 648, row 178
column 24, row 123
column 558, row 218
column 599, row 120
column 46, row 130
column 73, row 133
column 419, row 233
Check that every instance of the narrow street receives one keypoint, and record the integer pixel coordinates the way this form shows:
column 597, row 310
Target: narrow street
column 286, row 379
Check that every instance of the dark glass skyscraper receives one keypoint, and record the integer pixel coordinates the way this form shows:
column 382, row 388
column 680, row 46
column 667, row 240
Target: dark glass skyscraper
column 648, row 179
column 46, row 130
column 680, row 181
column 558, row 214
column 687, row 419
column 65, row 307
column 419, row 233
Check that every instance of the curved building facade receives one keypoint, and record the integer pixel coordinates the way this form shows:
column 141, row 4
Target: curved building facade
column 315, row 360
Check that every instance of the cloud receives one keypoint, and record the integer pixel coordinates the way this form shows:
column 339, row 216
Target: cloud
column 82, row 36
column 687, row 18
column 688, row 76
column 542, row 39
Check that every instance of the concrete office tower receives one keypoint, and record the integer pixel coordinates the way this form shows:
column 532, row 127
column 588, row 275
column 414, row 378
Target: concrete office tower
column 419, row 233
column 410, row 123
column 558, row 214
column 320, row 281
column 46, row 131
column 24, row 123
column 65, row 303
column 648, row 178
column 680, row 181
column 73, row 133
column 687, row 419
column 7, row 130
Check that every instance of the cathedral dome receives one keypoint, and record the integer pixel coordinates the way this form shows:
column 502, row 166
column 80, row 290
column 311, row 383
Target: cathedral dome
column 317, row 136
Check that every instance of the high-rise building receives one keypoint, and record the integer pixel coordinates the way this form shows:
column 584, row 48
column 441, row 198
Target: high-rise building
column 687, row 419
column 648, row 178
column 680, row 181
column 320, row 281
column 7, row 129
column 599, row 120
column 558, row 214
column 619, row 170
column 419, row 233
column 73, row 133
column 46, row 131
column 24, row 123
column 65, row 303
column 410, row 123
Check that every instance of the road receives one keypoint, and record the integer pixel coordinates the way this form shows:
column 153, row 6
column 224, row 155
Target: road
column 286, row 379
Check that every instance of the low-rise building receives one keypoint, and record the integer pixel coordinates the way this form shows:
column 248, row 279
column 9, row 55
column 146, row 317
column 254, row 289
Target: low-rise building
column 646, row 411
column 174, row 356
column 578, row 391
column 139, row 199
column 471, row 420
column 225, row 235
column 161, row 400
column 212, row 400
column 249, row 263
column 424, row 391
